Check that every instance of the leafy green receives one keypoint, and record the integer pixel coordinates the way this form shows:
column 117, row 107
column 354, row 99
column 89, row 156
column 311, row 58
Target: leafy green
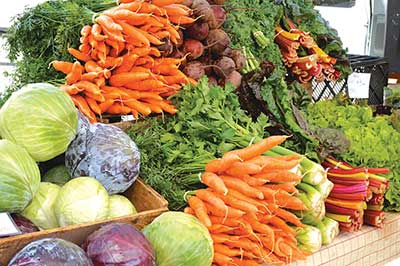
column 175, row 149
column 374, row 141
column 42, row 33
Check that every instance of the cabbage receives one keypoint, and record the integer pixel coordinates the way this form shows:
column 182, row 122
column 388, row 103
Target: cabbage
column 19, row 177
column 120, row 206
column 58, row 175
column 51, row 252
column 81, row 200
column 179, row 239
column 119, row 244
column 24, row 225
column 106, row 153
column 41, row 210
column 41, row 118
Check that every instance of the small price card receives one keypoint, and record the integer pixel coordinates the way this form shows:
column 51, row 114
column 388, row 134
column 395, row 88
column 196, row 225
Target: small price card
column 358, row 84
column 7, row 225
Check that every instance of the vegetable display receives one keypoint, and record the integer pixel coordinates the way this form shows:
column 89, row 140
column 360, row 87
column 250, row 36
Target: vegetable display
column 19, row 177
column 58, row 175
column 50, row 252
column 49, row 121
column 120, row 206
column 24, row 225
column 119, row 244
column 81, row 200
column 106, row 153
column 179, row 239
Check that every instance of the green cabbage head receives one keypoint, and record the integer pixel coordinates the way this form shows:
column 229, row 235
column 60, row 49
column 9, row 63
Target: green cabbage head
column 81, row 200
column 58, row 175
column 41, row 118
column 41, row 210
column 179, row 239
column 120, row 206
column 19, row 177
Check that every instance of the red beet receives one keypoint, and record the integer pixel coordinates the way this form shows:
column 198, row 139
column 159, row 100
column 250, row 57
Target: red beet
column 198, row 31
column 212, row 81
column 235, row 78
column 166, row 48
column 224, row 67
column 187, row 3
column 201, row 8
column 218, row 40
column 193, row 48
column 194, row 70
column 239, row 58
column 217, row 17
column 181, row 39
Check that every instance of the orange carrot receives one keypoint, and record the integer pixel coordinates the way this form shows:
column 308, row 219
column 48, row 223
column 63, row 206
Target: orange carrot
column 273, row 163
column 211, row 198
column 118, row 109
column 70, row 89
column 129, row 60
column 228, row 213
column 239, row 169
column 260, row 147
column 82, row 105
column 84, row 48
column 96, row 32
column 279, row 176
column 214, row 166
column 282, row 199
column 259, row 227
column 113, row 35
column 142, row 84
column 92, row 66
column 252, row 181
column 288, row 187
column 138, row 106
column 63, row 66
column 152, row 39
column 231, row 222
column 85, row 31
column 224, row 238
column 96, row 97
column 129, row 16
column 176, row 10
column 221, row 259
column 108, row 23
column 225, row 250
column 165, row 2
column 181, row 20
column 220, row 228
column 163, row 105
column 243, row 262
column 287, row 216
column 189, row 210
column 242, row 187
column 122, row 79
column 75, row 74
column 134, row 33
column 105, row 105
column 89, row 76
column 228, row 160
column 93, row 106
column 238, row 204
column 279, row 223
column 200, row 210
column 215, row 182
column 79, row 55
column 89, row 87
column 238, row 195
column 154, row 52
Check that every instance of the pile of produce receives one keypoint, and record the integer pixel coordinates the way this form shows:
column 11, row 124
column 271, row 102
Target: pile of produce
column 374, row 141
column 357, row 196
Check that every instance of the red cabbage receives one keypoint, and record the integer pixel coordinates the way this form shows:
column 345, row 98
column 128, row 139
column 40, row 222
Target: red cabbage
column 24, row 224
column 119, row 244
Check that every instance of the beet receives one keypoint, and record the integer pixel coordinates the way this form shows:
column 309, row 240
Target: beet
column 217, row 17
column 239, row 58
column 212, row 81
column 194, row 70
column 187, row 3
column 166, row 48
column 218, row 40
column 193, row 48
column 201, row 8
column 180, row 40
column 198, row 31
column 235, row 78
column 179, row 54
column 224, row 67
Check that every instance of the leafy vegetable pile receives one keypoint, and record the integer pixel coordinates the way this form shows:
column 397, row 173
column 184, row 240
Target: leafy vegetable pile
column 374, row 141
column 175, row 149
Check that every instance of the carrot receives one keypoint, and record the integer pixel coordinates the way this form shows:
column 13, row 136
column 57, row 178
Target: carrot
column 245, row 244
column 283, row 199
column 228, row 160
column 89, row 87
column 122, row 79
column 100, row 81
column 140, row 51
column 105, row 105
column 146, row 61
column 138, row 106
column 272, row 163
column 221, row 259
column 219, row 228
column 243, row 168
column 84, row 48
column 141, row 85
column 82, row 105
column 134, row 33
column 176, row 10
column 122, row 92
column 242, row 187
column 92, row 66
column 231, row 222
column 200, row 210
column 165, row 2
column 113, row 35
column 163, row 105
column 147, row 95
column 279, row 176
column 260, row 147
column 289, row 157
column 118, row 109
column 152, row 39
column 215, row 182
column 75, row 74
column 166, row 69
column 189, row 210
column 128, row 62
column 287, row 216
column 154, row 108
column 93, row 106
column 288, row 187
column 154, row 22
column 225, row 250
column 252, row 181
column 154, row 52
column 108, row 23
column 70, row 89
column 129, row 16
column 79, row 55
column 96, row 32
column 181, row 20
column 89, row 76
column 242, row 262
column 222, row 238
column 214, row 166
column 279, row 223
column 228, row 213
column 96, row 97
column 238, row 204
column 238, row 195
column 211, row 198
column 62, row 66
column 85, row 31
column 114, row 44
column 259, row 227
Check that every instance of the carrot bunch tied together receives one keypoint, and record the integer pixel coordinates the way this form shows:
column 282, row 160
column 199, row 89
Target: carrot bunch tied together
column 246, row 206
column 119, row 69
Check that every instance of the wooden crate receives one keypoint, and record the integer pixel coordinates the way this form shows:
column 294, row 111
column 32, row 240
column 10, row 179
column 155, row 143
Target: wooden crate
column 147, row 201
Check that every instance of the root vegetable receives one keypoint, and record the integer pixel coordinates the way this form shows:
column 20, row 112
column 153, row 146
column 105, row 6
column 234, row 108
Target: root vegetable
column 218, row 40
column 198, row 31
column 212, row 81
column 194, row 70
column 180, row 40
column 217, row 17
column 235, row 78
column 166, row 48
column 187, row 3
column 224, row 67
column 193, row 48
column 201, row 8
column 239, row 58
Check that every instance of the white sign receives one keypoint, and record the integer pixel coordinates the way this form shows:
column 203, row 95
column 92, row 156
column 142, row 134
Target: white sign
column 7, row 226
column 358, row 84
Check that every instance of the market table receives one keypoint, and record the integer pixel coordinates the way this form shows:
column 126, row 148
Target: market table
column 369, row 247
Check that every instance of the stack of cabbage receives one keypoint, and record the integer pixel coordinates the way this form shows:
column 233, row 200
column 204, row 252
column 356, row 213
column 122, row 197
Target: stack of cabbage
column 40, row 122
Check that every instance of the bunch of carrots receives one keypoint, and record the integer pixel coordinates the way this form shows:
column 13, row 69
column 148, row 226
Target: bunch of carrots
column 119, row 69
column 357, row 196
column 245, row 206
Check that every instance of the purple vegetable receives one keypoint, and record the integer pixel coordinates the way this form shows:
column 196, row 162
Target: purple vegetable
column 201, row 8
column 119, row 244
column 198, row 31
column 51, row 252
column 239, row 58
column 217, row 17
column 194, row 70
column 193, row 48
column 25, row 225
column 224, row 67
column 218, row 40
column 235, row 78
